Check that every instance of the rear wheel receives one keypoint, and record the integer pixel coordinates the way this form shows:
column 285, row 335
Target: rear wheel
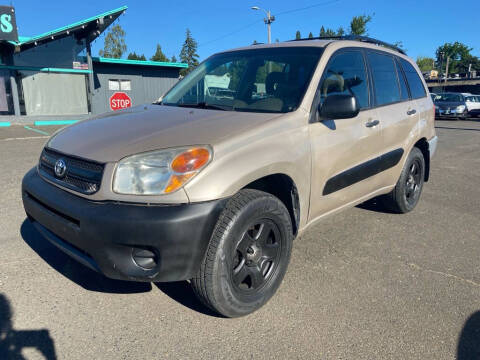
column 404, row 197
column 247, row 256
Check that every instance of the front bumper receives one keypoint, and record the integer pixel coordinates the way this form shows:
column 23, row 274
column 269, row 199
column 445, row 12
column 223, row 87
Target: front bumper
column 105, row 235
column 452, row 113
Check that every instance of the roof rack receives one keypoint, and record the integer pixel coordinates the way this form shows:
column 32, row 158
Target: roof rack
column 357, row 38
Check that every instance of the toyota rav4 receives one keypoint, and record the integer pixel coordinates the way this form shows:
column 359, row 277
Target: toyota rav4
column 212, row 184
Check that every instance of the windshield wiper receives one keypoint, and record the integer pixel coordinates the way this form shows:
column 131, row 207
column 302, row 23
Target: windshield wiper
column 203, row 105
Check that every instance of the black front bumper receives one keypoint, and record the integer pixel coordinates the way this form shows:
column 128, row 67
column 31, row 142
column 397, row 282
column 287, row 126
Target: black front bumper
column 104, row 235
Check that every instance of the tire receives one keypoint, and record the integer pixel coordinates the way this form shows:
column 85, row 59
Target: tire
column 404, row 197
column 247, row 256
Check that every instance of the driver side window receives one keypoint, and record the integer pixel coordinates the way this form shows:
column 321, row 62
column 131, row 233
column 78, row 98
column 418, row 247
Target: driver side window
column 345, row 74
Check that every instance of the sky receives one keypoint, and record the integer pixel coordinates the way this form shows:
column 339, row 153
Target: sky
column 421, row 25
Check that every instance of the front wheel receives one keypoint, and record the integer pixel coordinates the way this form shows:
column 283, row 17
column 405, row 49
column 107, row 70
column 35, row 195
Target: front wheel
column 248, row 254
column 404, row 197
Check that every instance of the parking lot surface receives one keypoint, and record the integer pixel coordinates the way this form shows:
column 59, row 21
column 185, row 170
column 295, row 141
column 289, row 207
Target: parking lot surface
column 363, row 284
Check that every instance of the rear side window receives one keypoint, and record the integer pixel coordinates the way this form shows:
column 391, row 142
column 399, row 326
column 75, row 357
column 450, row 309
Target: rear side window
column 346, row 74
column 403, row 85
column 416, row 85
column 385, row 80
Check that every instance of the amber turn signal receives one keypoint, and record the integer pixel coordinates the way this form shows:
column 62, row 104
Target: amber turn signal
column 190, row 160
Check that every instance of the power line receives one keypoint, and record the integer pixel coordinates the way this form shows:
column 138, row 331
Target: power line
column 258, row 21
column 307, row 7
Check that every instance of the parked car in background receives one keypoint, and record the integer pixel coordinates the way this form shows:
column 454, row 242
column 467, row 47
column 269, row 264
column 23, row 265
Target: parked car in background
column 450, row 105
column 473, row 105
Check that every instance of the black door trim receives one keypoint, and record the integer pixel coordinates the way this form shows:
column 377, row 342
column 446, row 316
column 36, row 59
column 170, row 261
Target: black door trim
column 363, row 171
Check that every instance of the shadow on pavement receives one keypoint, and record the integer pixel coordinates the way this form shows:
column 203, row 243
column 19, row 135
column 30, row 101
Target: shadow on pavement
column 81, row 275
column 469, row 340
column 455, row 128
column 12, row 341
column 182, row 292
column 374, row 205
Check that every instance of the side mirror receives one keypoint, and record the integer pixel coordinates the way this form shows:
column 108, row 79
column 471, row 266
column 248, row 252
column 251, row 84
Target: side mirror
column 339, row 106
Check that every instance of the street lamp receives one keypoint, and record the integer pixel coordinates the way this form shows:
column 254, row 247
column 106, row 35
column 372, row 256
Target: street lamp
column 270, row 18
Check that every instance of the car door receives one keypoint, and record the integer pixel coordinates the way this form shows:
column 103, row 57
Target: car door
column 344, row 152
column 397, row 112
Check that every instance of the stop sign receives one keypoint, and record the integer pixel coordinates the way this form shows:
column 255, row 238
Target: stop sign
column 120, row 100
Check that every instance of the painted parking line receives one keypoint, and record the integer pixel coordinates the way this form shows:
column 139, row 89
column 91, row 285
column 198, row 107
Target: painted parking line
column 25, row 138
column 5, row 124
column 36, row 130
column 54, row 122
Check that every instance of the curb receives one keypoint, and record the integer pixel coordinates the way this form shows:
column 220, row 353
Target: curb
column 39, row 123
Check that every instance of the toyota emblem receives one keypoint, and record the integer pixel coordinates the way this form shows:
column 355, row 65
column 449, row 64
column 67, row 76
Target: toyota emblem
column 60, row 168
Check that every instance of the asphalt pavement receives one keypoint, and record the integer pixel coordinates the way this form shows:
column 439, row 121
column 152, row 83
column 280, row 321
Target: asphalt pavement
column 363, row 284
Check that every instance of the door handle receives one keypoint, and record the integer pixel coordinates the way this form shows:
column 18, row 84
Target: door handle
column 372, row 123
column 411, row 112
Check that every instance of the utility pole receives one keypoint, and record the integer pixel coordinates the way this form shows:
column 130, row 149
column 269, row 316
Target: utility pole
column 446, row 70
column 268, row 21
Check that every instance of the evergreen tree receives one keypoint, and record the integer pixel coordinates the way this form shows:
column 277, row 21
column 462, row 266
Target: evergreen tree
column 329, row 33
column 340, row 31
column 322, row 31
column 188, row 54
column 174, row 59
column 298, row 36
column 114, row 46
column 310, row 35
column 159, row 55
column 135, row 56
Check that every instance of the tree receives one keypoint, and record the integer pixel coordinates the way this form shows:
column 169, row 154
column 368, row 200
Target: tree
column 425, row 63
column 188, row 54
column 114, row 46
column 254, row 42
column 298, row 36
column 159, row 55
column 134, row 56
column 329, row 32
column 340, row 31
column 358, row 25
column 310, row 35
column 174, row 59
column 322, row 32
column 459, row 55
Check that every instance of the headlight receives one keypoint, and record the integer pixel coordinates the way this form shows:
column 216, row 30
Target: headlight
column 460, row 108
column 159, row 172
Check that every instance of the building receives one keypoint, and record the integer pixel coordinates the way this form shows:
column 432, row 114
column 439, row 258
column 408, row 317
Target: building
column 54, row 75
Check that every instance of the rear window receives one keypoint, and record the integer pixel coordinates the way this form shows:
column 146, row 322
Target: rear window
column 385, row 79
column 416, row 85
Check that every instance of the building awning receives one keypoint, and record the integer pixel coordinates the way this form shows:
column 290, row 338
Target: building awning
column 89, row 28
column 139, row 62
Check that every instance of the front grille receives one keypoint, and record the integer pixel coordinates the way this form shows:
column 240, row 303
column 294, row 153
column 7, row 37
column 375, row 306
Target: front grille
column 84, row 176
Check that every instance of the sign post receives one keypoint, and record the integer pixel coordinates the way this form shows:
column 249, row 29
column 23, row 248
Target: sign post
column 120, row 100
column 8, row 24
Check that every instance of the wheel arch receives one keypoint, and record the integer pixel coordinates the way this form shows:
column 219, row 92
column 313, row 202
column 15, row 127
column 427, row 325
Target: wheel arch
column 283, row 187
column 422, row 145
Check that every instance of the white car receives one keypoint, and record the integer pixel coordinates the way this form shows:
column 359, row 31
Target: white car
column 472, row 103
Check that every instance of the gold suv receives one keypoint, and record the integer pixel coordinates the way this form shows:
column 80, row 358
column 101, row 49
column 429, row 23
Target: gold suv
column 213, row 183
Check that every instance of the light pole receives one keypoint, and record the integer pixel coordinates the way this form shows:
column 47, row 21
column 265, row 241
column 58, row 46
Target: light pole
column 270, row 18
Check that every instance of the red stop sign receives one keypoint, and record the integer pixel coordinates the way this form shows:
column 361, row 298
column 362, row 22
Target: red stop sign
column 120, row 100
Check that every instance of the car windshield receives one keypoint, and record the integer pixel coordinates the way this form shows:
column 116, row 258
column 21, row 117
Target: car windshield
column 450, row 97
column 256, row 80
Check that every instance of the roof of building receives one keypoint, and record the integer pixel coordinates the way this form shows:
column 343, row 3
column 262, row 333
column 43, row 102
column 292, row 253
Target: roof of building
column 95, row 25
column 139, row 62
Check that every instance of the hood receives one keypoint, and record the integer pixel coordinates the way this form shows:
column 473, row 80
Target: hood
column 113, row 136
column 450, row 104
